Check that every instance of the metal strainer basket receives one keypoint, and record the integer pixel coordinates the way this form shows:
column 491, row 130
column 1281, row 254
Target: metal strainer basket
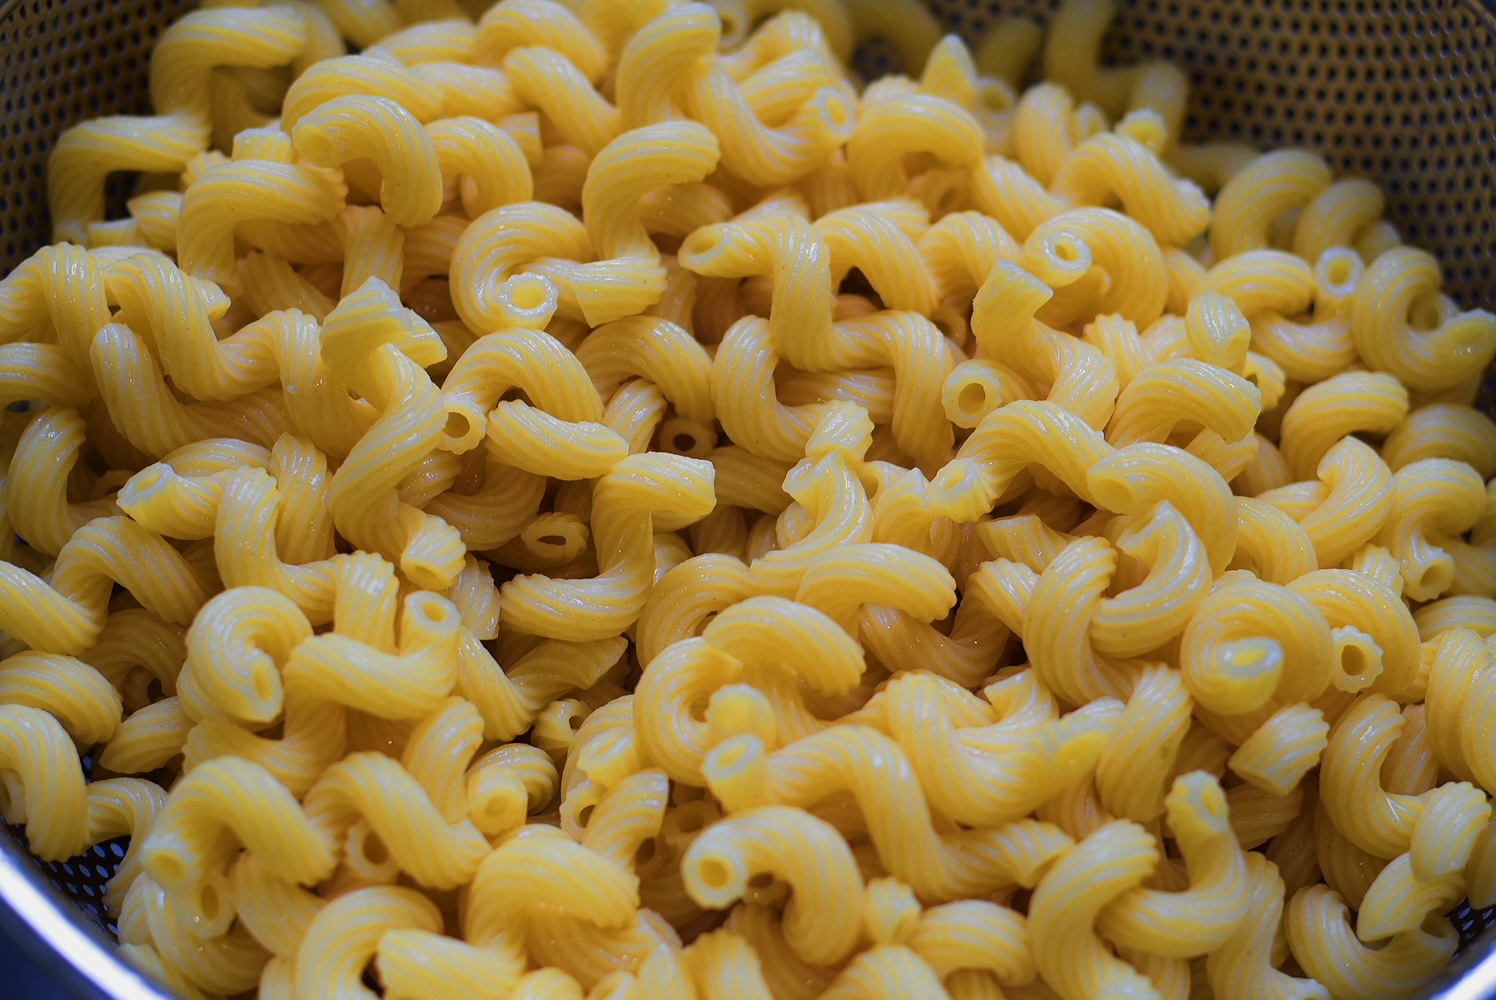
column 1400, row 91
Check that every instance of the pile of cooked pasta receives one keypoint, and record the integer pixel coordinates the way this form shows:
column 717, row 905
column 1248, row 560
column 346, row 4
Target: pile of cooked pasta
column 588, row 500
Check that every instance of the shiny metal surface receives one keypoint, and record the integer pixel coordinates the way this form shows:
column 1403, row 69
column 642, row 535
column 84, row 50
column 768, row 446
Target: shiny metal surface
column 1400, row 91
column 58, row 936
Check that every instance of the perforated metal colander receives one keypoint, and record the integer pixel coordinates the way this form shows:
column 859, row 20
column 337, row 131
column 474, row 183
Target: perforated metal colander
column 1400, row 91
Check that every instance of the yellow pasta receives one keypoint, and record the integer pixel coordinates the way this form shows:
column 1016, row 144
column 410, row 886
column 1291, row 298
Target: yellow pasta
column 1383, row 318
column 569, row 477
column 1104, row 866
column 806, row 852
column 1214, row 903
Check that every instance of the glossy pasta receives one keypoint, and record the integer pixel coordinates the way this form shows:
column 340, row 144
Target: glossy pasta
column 597, row 501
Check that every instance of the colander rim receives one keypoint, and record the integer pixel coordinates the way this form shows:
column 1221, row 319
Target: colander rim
column 59, row 937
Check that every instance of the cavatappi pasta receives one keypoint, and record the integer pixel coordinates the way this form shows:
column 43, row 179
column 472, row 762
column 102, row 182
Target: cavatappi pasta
column 591, row 499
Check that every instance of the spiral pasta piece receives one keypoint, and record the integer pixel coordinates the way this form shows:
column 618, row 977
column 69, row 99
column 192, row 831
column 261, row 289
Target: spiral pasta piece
column 369, row 73
column 401, row 813
column 1358, row 402
column 347, row 128
column 1259, row 193
column 1323, row 943
column 755, row 152
column 890, row 130
column 625, row 500
column 795, row 846
column 986, row 772
column 213, row 800
column 1175, row 211
column 1393, row 286
column 873, row 769
column 1066, row 903
column 44, row 459
column 47, row 792
column 1215, row 903
column 347, row 933
column 66, row 613
column 1375, row 820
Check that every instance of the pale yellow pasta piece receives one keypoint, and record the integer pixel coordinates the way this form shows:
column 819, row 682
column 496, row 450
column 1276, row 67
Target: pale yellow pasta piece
column 1351, row 403
column 982, row 767
column 89, row 151
column 378, row 346
column 1458, row 684
column 1261, row 281
column 1430, row 877
column 1236, row 650
column 346, row 128
column 655, row 349
column 1129, row 781
column 745, row 635
column 1214, row 904
column 1061, row 653
column 529, row 869
column 123, row 807
column 44, row 459
column 148, row 739
column 892, row 129
column 722, row 965
column 214, row 962
column 1184, row 391
column 1323, row 346
column 873, row 768
column 394, row 682
column 1337, row 217
column 1324, row 945
column 1432, row 499
column 62, row 286
column 1253, row 199
column 313, row 735
column 236, row 649
column 517, row 23
column 346, row 934
column 399, row 810
column 755, row 152
column 66, row 613
column 1348, row 598
column 1283, row 749
column 792, row 845
column 1086, row 241
column 1350, row 503
column 515, row 359
column 1003, row 189
column 416, row 963
column 1044, row 126
column 625, row 500
column 1351, row 791
column 1065, row 905
column 45, row 782
column 1244, row 965
column 1443, row 430
column 1395, row 332
column 242, row 799
column 1113, row 165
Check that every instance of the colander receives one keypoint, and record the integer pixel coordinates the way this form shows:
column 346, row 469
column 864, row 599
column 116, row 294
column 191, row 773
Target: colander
column 1399, row 91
